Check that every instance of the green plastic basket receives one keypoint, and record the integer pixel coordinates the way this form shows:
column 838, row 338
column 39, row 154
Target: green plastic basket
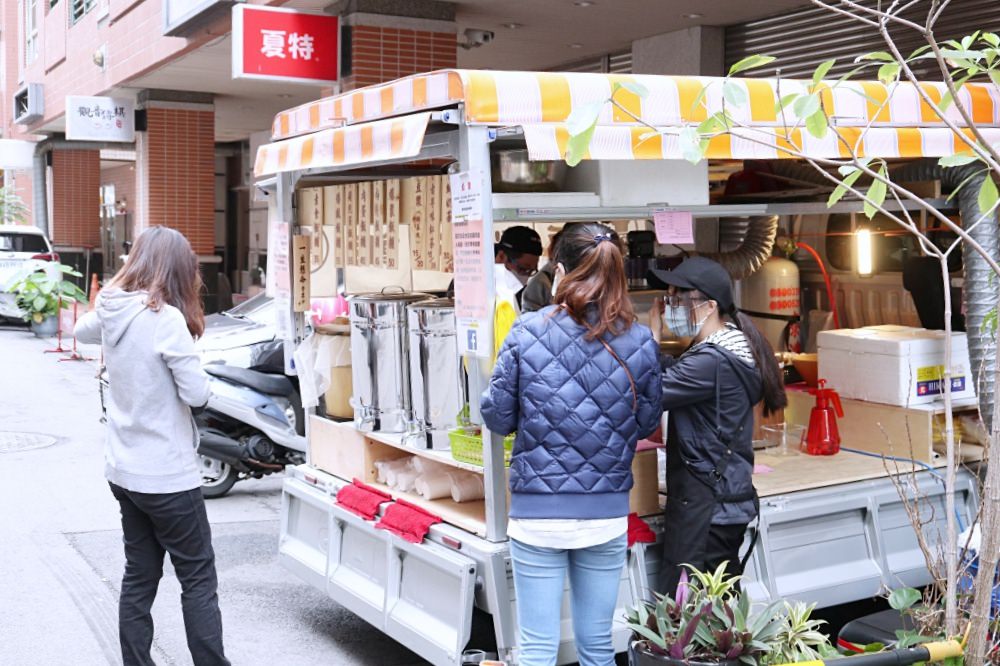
column 467, row 446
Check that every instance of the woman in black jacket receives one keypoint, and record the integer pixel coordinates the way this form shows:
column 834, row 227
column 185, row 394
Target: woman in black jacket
column 710, row 393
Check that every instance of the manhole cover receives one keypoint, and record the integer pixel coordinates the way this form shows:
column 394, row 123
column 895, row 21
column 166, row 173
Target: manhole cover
column 11, row 442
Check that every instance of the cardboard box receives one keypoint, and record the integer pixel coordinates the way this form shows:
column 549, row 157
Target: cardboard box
column 340, row 449
column 895, row 365
column 904, row 432
column 644, row 498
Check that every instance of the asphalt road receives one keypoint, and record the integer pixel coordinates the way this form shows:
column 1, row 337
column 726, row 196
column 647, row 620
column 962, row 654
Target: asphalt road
column 61, row 558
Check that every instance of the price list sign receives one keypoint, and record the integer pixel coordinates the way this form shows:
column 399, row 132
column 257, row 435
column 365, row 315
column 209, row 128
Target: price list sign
column 473, row 253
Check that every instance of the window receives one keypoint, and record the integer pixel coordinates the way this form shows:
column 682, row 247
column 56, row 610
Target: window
column 29, row 17
column 13, row 242
column 78, row 9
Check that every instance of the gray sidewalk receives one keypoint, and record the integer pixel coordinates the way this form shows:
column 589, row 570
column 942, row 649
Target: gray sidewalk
column 60, row 544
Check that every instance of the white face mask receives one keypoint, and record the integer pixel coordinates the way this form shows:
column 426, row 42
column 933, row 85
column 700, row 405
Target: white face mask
column 678, row 320
column 559, row 273
column 506, row 279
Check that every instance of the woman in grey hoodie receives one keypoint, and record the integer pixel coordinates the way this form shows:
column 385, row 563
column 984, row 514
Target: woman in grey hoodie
column 146, row 321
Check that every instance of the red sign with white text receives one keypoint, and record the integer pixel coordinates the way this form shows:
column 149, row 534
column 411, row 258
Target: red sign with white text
column 285, row 45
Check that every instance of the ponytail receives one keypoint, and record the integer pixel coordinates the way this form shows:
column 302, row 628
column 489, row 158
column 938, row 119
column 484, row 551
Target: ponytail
column 763, row 356
column 595, row 290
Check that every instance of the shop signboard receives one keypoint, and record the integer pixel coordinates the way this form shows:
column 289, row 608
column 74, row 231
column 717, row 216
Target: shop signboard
column 100, row 119
column 287, row 45
column 473, row 257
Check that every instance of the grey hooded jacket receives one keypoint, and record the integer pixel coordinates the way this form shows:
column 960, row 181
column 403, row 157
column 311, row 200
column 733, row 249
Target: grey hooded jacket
column 156, row 378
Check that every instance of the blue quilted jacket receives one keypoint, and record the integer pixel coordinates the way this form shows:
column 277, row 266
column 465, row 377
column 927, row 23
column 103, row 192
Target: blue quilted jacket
column 572, row 406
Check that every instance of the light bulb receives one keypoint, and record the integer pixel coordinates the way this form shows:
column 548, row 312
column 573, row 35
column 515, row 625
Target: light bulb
column 863, row 242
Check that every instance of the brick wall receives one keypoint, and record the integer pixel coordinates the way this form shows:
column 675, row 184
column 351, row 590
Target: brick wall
column 380, row 54
column 76, row 181
column 180, row 167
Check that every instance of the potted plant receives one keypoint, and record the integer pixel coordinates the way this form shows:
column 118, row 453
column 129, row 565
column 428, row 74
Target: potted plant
column 710, row 622
column 40, row 293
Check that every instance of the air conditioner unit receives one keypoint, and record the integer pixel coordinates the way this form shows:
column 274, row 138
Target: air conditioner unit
column 29, row 104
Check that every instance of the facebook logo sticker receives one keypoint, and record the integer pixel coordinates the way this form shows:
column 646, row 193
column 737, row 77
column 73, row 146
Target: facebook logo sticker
column 472, row 339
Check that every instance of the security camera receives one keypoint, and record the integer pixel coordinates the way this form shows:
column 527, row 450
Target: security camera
column 475, row 37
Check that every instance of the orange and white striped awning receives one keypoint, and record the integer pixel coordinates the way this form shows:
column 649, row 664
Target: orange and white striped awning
column 894, row 119
column 392, row 138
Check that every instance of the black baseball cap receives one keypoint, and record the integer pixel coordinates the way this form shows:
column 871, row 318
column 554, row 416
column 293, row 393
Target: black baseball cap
column 520, row 239
column 705, row 275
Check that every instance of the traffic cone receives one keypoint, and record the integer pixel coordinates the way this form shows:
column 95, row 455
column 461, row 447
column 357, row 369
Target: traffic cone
column 95, row 289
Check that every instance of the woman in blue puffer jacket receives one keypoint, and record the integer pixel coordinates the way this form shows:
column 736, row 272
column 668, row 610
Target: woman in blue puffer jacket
column 580, row 383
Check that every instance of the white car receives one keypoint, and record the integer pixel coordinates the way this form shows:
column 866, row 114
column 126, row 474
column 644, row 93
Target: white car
column 20, row 245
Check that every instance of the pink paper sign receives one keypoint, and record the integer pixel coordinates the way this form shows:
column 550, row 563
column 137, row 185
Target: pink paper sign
column 674, row 227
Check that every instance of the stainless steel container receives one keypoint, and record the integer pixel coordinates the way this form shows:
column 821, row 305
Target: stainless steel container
column 437, row 380
column 380, row 360
column 514, row 172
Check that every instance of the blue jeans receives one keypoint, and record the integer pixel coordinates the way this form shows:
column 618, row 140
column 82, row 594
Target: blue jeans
column 594, row 577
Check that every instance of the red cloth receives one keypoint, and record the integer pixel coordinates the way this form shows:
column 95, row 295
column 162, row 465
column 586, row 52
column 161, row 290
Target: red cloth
column 361, row 499
column 639, row 531
column 407, row 521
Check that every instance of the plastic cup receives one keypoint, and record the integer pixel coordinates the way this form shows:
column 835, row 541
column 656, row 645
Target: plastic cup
column 783, row 438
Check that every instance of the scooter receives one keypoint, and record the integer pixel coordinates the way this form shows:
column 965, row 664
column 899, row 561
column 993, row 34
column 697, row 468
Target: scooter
column 252, row 426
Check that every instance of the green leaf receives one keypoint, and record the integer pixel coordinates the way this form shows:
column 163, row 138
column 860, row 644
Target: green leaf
column 584, row 117
column 888, row 72
column 874, row 647
column 806, row 105
column 962, row 54
column 841, row 189
column 875, row 196
column 634, row 87
column 39, row 303
column 958, row 159
column 816, row 124
column 750, row 62
column 785, row 101
column 734, row 93
column 876, row 55
column 990, row 322
column 578, row 144
column 710, row 125
column 690, row 144
column 849, row 74
column 968, row 40
column 699, row 98
column 823, row 70
column 994, row 77
column 988, row 194
column 903, row 598
column 964, row 182
column 992, row 39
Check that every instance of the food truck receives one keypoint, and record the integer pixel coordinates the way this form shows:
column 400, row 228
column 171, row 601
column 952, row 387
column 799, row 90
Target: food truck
column 385, row 194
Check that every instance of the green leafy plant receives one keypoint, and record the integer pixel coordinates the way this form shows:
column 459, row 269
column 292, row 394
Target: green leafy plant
column 13, row 210
column 799, row 638
column 41, row 291
column 709, row 620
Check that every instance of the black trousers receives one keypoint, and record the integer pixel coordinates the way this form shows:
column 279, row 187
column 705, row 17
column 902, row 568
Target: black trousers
column 175, row 523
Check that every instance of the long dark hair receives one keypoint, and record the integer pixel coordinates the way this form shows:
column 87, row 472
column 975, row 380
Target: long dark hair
column 763, row 356
column 595, row 281
column 163, row 264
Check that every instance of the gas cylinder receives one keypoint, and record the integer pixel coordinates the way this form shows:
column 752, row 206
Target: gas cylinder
column 770, row 297
column 823, row 436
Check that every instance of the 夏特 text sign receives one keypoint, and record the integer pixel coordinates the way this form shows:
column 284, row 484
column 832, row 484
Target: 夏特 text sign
column 100, row 119
column 285, row 45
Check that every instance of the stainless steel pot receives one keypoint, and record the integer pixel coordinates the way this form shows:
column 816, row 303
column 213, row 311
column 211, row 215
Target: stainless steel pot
column 380, row 360
column 514, row 172
column 437, row 380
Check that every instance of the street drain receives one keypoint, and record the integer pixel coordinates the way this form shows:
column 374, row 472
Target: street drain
column 12, row 442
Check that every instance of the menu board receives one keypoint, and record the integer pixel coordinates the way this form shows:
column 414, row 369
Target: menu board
column 333, row 216
column 350, row 225
column 414, row 213
column 390, row 245
column 364, row 252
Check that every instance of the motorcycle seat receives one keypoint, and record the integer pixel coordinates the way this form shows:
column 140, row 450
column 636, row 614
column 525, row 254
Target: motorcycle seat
column 259, row 381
